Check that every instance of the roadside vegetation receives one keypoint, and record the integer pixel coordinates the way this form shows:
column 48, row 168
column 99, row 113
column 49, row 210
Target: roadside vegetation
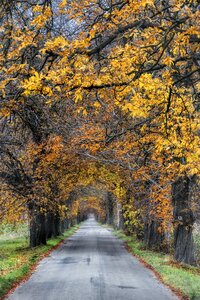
column 197, row 246
column 184, row 279
column 16, row 258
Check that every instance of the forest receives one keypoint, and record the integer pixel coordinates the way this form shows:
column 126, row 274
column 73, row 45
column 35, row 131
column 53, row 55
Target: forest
column 99, row 113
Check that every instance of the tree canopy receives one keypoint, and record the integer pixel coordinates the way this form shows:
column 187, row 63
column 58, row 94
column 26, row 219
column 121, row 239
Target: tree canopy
column 99, row 91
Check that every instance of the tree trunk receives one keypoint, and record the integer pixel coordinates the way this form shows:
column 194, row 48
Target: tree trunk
column 109, row 209
column 66, row 224
column 153, row 236
column 183, row 222
column 49, row 225
column 120, row 217
column 56, row 226
column 37, row 227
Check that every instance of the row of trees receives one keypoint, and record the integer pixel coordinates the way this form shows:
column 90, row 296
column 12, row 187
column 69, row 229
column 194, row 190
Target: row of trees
column 101, row 92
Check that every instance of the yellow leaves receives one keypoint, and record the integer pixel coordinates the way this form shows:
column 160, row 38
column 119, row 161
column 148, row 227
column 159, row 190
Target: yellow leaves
column 58, row 45
column 97, row 104
column 144, row 94
column 77, row 79
column 193, row 30
column 82, row 43
column 131, row 215
column 4, row 112
column 193, row 171
column 38, row 8
column 74, row 209
column 47, row 91
column 35, row 85
column 3, row 84
column 81, row 63
column 135, row 107
column 98, row 82
column 62, row 4
column 128, row 106
column 78, row 95
column 19, row 43
column 12, row 206
column 144, row 3
column 168, row 61
column 93, row 32
column 53, row 150
column 82, row 111
column 44, row 15
column 16, row 68
column 58, row 88
column 167, row 77
column 161, row 202
column 27, row 41
column 119, row 191
column 137, row 5
column 62, row 210
column 47, row 155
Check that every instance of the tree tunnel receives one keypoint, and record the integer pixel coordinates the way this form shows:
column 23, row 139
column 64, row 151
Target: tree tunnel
column 84, row 200
column 81, row 201
column 58, row 194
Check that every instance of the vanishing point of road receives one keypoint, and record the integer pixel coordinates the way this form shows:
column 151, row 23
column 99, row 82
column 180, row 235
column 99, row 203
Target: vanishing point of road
column 92, row 265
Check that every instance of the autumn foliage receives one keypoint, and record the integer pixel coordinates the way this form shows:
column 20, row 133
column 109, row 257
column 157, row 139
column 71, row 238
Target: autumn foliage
column 105, row 94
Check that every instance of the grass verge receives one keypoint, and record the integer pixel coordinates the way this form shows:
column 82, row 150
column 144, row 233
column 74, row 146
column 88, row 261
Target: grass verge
column 17, row 259
column 183, row 279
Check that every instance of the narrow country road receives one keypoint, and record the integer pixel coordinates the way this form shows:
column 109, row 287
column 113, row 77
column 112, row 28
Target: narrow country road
column 92, row 265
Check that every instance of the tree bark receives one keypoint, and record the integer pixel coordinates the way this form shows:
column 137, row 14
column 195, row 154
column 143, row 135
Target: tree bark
column 109, row 209
column 153, row 235
column 49, row 225
column 37, row 227
column 66, row 224
column 56, row 226
column 183, row 222
column 120, row 217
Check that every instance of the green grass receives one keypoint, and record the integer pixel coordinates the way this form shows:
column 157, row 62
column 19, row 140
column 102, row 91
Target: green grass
column 11, row 230
column 197, row 245
column 183, row 278
column 16, row 258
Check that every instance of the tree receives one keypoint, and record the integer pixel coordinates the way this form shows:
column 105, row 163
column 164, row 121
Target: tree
column 130, row 95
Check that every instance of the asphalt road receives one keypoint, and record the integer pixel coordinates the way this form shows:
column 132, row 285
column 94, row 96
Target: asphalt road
column 92, row 265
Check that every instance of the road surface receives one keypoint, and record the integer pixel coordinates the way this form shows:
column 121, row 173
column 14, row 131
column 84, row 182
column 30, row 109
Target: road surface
column 92, row 265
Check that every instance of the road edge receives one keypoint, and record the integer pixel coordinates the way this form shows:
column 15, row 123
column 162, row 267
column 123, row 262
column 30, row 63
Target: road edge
column 174, row 290
column 26, row 277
